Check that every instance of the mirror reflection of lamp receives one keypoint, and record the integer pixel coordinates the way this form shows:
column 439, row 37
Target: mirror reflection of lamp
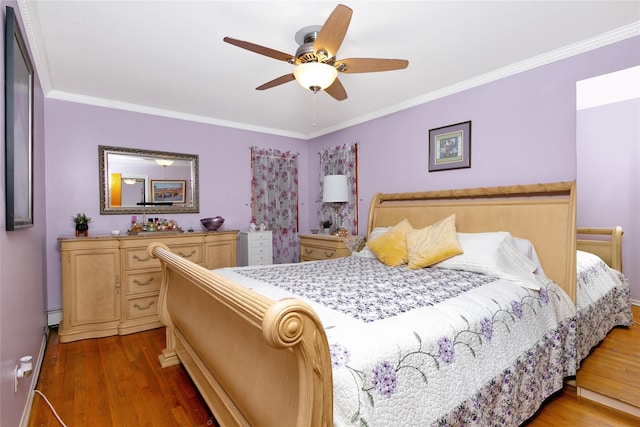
column 130, row 181
column 335, row 191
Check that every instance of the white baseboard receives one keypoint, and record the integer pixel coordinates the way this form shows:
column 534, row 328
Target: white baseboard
column 54, row 317
column 609, row 401
column 26, row 413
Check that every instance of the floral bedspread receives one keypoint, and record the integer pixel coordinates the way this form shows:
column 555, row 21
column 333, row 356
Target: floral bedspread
column 410, row 348
column 603, row 300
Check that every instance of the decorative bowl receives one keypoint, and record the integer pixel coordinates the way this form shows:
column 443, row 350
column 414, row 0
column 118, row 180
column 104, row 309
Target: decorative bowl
column 213, row 223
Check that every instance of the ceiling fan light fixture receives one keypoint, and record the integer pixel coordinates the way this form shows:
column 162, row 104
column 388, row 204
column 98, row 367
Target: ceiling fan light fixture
column 164, row 162
column 315, row 76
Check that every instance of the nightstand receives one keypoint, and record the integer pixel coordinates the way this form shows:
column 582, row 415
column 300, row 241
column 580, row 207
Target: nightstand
column 315, row 247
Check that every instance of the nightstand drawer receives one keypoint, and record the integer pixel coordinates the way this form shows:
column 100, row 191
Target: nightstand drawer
column 308, row 253
column 316, row 247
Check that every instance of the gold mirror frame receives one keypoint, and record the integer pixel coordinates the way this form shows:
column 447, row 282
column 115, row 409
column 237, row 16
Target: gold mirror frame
column 192, row 186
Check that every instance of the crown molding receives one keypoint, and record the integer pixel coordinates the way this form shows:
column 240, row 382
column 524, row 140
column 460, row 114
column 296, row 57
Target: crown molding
column 30, row 21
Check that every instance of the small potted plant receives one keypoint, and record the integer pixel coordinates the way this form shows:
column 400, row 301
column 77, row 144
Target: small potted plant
column 82, row 224
column 326, row 225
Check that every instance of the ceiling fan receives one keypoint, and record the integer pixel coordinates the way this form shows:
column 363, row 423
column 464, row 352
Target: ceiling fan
column 316, row 66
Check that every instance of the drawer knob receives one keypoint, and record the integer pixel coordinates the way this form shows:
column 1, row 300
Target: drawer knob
column 139, row 307
column 329, row 254
column 137, row 258
column 308, row 251
column 139, row 283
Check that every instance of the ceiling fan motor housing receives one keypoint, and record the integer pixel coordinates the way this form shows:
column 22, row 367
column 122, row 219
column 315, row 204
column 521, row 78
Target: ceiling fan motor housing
column 305, row 52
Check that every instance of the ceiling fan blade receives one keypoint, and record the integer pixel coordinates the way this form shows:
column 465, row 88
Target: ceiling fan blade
column 276, row 82
column 337, row 91
column 370, row 65
column 271, row 53
column 333, row 31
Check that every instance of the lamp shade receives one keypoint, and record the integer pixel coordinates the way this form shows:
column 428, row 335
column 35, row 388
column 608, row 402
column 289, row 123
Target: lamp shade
column 315, row 75
column 335, row 189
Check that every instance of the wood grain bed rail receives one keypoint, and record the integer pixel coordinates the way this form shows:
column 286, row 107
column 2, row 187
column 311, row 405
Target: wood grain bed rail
column 257, row 362
column 557, row 188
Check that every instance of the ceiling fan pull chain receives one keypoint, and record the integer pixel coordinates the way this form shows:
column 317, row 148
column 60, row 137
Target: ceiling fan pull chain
column 314, row 108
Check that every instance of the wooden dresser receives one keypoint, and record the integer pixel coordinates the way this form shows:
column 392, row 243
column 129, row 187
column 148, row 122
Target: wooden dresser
column 110, row 285
column 315, row 247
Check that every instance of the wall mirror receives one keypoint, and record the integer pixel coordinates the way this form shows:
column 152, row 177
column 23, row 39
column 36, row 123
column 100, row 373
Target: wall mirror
column 136, row 181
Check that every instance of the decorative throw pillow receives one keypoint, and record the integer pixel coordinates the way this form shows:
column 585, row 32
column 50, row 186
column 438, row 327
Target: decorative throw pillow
column 365, row 252
column 391, row 246
column 432, row 244
column 494, row 254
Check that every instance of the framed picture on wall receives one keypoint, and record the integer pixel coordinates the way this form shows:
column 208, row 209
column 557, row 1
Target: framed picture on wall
column 165, row 191
column 450, row 147
column 18, row 110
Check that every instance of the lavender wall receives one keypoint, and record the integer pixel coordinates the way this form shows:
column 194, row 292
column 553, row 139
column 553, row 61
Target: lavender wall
column 22, row 274
column 523, row 131
column 608, row 153
column 73, row 134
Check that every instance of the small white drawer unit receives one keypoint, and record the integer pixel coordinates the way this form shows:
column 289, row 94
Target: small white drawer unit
column 255, row 248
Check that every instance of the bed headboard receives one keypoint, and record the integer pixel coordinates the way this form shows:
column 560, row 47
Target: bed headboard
column 543, row 213
column 604, row 242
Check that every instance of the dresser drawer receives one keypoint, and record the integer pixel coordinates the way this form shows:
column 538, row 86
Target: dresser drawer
column 260, row 256
column 138, row 283
column 142, row 307
column 193, row 253
column 137, row 258
column 259, row 240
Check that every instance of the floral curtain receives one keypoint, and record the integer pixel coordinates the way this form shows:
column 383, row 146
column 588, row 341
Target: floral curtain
column 341, row 160
column 274, row 199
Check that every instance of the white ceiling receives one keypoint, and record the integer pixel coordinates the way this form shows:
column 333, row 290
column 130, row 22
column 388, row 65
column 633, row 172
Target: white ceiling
column 168, row 57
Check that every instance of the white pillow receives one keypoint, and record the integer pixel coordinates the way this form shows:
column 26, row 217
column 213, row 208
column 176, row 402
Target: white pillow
column 366, row 252
column 527, row 249
column 493, row 254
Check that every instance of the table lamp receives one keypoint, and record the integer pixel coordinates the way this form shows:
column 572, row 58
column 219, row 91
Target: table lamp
column 335, row 191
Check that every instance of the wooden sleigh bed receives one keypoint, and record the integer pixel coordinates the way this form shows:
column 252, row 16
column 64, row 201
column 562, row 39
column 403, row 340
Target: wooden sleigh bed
column 264, row 362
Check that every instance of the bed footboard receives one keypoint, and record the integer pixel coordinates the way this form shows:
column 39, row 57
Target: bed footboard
column 257, row 362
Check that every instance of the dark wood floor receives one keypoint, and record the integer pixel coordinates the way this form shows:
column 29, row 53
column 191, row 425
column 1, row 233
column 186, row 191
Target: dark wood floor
column 117, row 381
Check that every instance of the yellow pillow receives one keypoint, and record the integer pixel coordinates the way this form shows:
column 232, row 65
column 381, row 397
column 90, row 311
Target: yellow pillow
column 391, row 247
column 433, row 244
